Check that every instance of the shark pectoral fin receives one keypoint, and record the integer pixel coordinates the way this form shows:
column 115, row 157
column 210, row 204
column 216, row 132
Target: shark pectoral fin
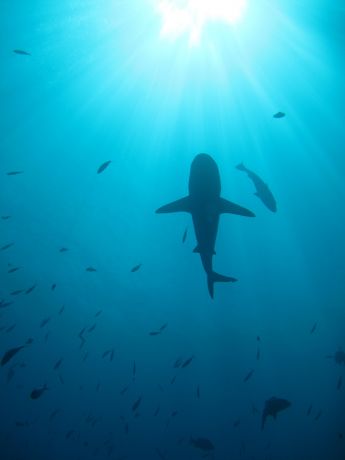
column 182, row 205
column 227, row 207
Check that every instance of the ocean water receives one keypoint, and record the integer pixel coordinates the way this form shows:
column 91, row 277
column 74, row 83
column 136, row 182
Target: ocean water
column 133, row 357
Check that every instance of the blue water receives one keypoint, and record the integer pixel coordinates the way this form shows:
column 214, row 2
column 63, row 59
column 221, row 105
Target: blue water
column 102, row 84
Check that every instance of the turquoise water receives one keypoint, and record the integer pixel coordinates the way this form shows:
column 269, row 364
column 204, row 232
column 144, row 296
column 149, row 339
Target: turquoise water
column 100, row 84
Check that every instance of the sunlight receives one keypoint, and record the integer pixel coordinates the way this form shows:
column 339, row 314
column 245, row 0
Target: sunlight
column 190, row 16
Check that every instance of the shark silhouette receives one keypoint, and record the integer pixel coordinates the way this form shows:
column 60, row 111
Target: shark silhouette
column 205, row 205
column 272, row 407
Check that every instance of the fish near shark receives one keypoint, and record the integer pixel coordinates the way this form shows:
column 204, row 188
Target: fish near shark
column 272, row 407
column 262, row 190
column 205, row 205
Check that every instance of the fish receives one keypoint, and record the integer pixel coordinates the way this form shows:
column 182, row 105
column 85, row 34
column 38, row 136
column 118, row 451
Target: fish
column 61, row 309
column 63, row 249
column 10, row 328
column 157, row 411
column 318, row 415
column 172, row 381
column 309, row 410
column 9, row 354
column 205, row 205
column 136, row 268
column 340, row 382
column 30, row 289
column 124, row 390
column 136, row 404
column 103, row 166
column 80, row 335
column 38, row 392
column 248, row 376
column 6, row 246
column 5, row 217
column 17, row 292
column 13, row 269
column 258, row 354
column 98, row 313
column 313, row 328
column 154, row 332
column 45, row 321
column 53, row 286
column 262, row 190
column 4, row 304
column 236, row 423
column 279, row 115
column 58, row 364
column 14, row 173
column 203, row 444
column 187, row 362
column 184, row 237
column 91, row 269
column 22, row 52
column 339, row 357
column 272, row 407
column 92, row 328
column 69, row 434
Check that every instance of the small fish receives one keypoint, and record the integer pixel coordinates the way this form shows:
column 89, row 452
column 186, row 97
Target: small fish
column 163, row 327
column 313, row 328
column 53, row 286
column 340, row 382
column 91, row 269
column 22, row 52
column 98, row 386
column 14, row 173
column 136, row 404
column 58, row 364
column 172, row 381
column 86, row 354
column 69, row 434
column 178, row 363
column 45, row 321
column 279, row 115
column 247, row 377
column 106, row 353
column 187, row 362
column 46, row 337
column 22, row 424
column 9, row 354
column 61, row 309
column 157, row 411
column 236, row 423
column 4, row 304
column 13, row 269
column 154, row 332
column 185, row 235
column 17, row 292
column 103, row 166
column 6, row 246
column 38, row 392
column 10, row 329
column 202, row 443
column 318, row 415
column 98, row 313
column 5, row 217
column 61, row 379
column 124, row 390
column 92, row 328
column 30, row 289
column 63, row 249
column 309, row 410
column 136, row 268
column 53, row 414
column 258, row 354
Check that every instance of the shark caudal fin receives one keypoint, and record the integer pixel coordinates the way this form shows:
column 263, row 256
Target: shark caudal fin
column 214, row 277
column 241, row 167
column 182, row 205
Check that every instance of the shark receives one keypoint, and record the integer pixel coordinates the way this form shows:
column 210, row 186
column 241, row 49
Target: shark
column 205, row 205
column 272, row 407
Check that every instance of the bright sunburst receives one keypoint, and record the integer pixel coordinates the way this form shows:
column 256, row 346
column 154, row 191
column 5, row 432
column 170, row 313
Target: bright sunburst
column 190, row 16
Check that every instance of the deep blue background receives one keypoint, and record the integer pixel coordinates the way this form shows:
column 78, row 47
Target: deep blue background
column 102, row 85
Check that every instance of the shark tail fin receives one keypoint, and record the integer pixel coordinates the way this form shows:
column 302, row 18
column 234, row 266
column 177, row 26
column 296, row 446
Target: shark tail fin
column 182, row 205
column 241, row 167
column 214, row 277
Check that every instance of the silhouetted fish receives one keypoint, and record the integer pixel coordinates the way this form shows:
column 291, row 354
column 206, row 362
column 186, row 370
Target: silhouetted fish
column 10, row 328
column 262, row 190
column 61, row 309
column 124, row 390
column 14, row 173
column 187, row 362
column 98, row 313
column 279, row 115
column 63, row 249
column 272, row 407
column 92, row 328
column 9, row 354
column 5, row 217
column 136, row 404
column 318, row 415
column 309, row 410
column 313, row 328
column 38, row 392
column 340, row 382
column 91, row 269
column 53, row 286
column 6, row 246
column 30, row 289
column 13, row 269
column 136, row 268
column 178, row 362
column 45, row 321
column 57, row 364
column 22, row 52
column 103, row 166
column 247, row 377
column 203, row 444
column 4, row 304
column 157, row 411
